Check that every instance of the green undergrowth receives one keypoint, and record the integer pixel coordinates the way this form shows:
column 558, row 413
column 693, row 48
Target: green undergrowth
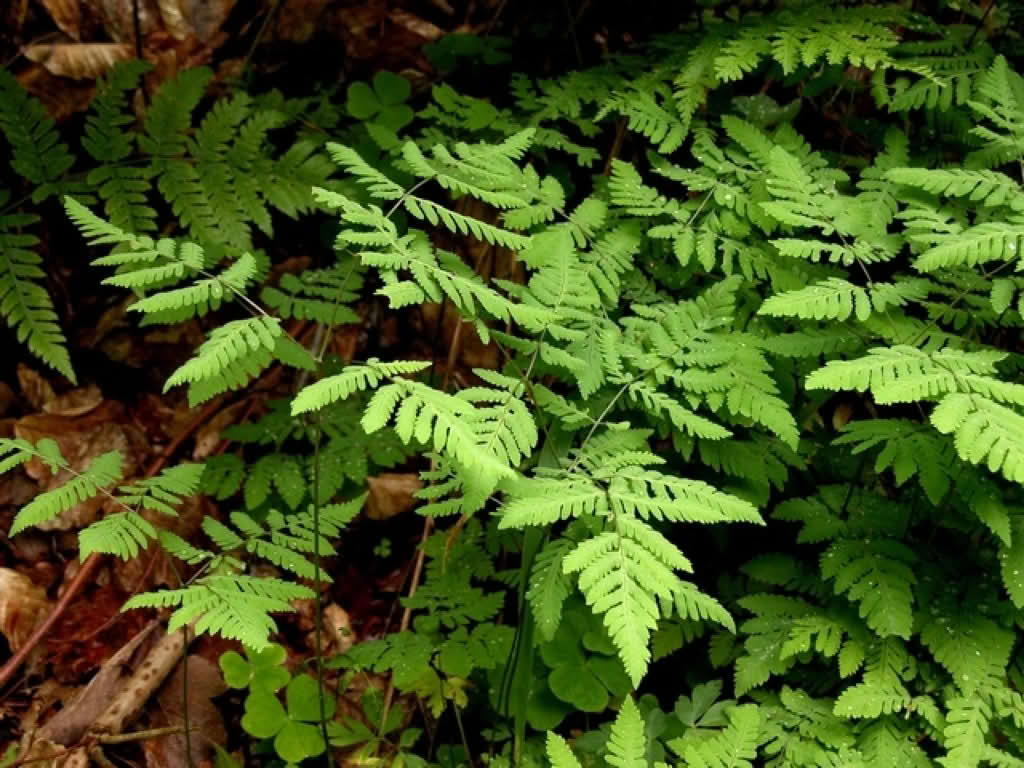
column 745, row 487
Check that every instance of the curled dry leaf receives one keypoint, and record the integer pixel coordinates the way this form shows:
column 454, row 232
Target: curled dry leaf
column 416, row 25
column 36, row 389
column 23, row 606
column 338, row 628
column 390, row 494
column 67, row 15
column 77, row 402
column 174, row 20
column 79, row 61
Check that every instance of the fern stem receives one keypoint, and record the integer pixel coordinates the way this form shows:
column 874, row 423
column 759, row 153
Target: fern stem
column 318, row 613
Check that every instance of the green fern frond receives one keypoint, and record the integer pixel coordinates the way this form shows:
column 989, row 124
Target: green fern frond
column 231, row 605
column 879, row 576
column 25, row 304
column 123, row 188
column 558, row 752
column 549, row 586
column 627, row 742
column 355, row 378
column 104, row 471
column 832, row 299
column 244, row 345
column 122, row 534
column 37, row 153
column 983, row 431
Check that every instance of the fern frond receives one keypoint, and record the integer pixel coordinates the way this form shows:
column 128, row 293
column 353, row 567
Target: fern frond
column 25, row 304
column 231, row 605
column 37, row 153
column 627, row 742
column 355, row 378
column 104, row 471
column 983, row 431
column 122, row 534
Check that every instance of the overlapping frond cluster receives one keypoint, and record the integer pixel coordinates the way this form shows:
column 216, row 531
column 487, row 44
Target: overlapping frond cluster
column 219, row 181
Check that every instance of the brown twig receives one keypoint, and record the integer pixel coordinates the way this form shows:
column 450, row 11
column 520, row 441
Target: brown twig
column 107, row 738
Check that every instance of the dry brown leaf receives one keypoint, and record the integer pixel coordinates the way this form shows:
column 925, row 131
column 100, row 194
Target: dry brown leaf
column 206, row 17
column 79, row 61
column 61, row 97
column 174, row 20
column 204, row 683
column 208, row 436
column 7, row 397
column 338, row 628
column 34, row 387
column 297, row 20
column 841, row 415
column 23, row 607
column 416, row 25
column 67, row 15
column 76, row 402
column 390, row 494
column 69, row 725
column 119, row 18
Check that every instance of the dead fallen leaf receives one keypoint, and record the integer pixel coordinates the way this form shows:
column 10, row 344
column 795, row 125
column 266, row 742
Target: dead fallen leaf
column 7, row 397
column 390, row 494
column 297, row 20
column 119, row 18
column 208, row 436
column 61, row 97
column 416, row 25
column 76, row 402
column 338, row 633
column 79, row 61
column 204, row 683
column 174, row 20
column 841, row 415
column 67, row 15
column 68, row 725
column 23, row 606
column 36, row 389
column 206, row 17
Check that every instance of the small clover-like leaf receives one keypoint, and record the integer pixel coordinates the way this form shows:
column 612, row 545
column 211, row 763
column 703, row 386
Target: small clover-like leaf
column 577, row 685
column 264, row 715
column 235, row 669
column 390, row 88
column 303, row 697
column 395, row 118
column 362, row 102
column 297, row 741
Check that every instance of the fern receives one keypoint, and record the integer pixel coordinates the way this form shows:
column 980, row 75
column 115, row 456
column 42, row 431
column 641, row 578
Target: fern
column 104, row 471
column 24, row 301
column 124, row 533
column 37, row 153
